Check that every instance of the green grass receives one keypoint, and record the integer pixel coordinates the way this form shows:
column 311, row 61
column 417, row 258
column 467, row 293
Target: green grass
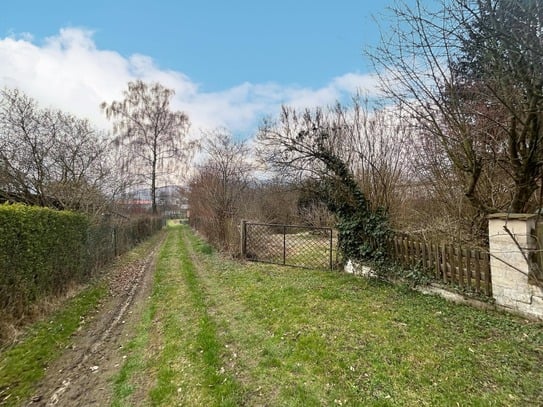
column 176, row 352
column 22, row 365
column 311, row 251
column 299, row 250
column 219, row 333
column 306, row 338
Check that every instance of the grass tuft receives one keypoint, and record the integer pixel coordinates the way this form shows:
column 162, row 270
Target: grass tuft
column 22, row 365
column 177, row 348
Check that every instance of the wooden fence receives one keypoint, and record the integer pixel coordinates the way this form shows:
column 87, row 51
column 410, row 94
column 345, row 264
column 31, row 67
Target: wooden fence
column 466, row 268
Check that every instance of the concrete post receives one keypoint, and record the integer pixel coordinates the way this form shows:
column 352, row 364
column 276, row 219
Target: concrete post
column 508, row 265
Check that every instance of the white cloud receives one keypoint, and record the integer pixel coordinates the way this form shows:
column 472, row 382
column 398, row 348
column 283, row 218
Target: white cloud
column 69, row 72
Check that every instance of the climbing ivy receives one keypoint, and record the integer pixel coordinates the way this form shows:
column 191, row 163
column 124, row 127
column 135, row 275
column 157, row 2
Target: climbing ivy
column 310, row 143
column 363, row 233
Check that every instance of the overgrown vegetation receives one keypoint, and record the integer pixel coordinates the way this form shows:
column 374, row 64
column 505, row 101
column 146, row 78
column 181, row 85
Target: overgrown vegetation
column 468, row 74
column 310, row 146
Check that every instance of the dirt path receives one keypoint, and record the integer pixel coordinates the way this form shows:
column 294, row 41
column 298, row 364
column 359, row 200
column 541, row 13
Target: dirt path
column 82, row 375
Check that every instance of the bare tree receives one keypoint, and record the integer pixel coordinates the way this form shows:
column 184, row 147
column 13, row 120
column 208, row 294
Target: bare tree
column 379, row 151
column 344, row 151
column 371, row 144
column 273, row 201
column 153, row 136
column 217, row 191
column 48, row 157
column 469, row 72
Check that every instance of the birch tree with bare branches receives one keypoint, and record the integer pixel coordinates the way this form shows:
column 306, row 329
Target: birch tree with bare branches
column 153, row 137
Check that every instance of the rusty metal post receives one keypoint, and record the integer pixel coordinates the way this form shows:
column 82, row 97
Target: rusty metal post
column 243, row 238
column 284, row 244
column 331, row 248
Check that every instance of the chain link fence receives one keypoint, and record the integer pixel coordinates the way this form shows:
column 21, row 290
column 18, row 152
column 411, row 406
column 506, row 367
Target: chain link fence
column 107, row 239
column 289, row 245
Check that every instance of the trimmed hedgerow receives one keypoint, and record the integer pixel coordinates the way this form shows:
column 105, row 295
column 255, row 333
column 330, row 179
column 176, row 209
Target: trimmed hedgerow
column 44, row 251
column 41, row 251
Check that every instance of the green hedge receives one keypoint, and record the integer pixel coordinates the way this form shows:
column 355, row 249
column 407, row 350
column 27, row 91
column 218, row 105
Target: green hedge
column 43, row 251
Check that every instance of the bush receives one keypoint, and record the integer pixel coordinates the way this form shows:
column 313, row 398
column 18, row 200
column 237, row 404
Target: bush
column 41, row 252
column 44, row 251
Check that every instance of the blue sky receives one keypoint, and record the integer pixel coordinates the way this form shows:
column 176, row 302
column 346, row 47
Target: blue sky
column 230, row 62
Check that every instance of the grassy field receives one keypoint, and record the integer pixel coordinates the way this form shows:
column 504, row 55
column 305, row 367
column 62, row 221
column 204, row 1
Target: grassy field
column 221, row 333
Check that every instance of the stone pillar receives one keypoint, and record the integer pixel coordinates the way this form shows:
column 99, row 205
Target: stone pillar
column 508, row 265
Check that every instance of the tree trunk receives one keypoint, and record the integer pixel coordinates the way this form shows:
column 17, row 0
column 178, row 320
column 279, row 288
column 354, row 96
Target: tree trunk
column 154, row 208
column 523, row 192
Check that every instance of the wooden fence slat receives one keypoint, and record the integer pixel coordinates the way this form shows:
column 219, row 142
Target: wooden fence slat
column 435, row 248
column 443, row 263
column 425, row 265
column 460, row 266
column 452, row 264
column 486, row 267
column 467, row 255
column 477, row 272
column 406, row 251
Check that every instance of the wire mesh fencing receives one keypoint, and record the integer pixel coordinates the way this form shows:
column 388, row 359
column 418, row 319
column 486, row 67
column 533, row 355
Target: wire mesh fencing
column 289, row 245
column 106, row 240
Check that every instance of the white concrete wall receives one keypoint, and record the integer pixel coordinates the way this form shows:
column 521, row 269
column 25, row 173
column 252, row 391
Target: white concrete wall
column 508, row 265
column 358, row 269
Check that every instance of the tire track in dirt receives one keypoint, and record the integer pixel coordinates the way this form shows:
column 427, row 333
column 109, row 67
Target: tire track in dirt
column 81, row 376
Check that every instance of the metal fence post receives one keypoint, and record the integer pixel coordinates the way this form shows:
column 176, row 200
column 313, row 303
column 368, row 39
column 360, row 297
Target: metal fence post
column 331, row 247
column 243, row 239
column 284, row 245
column 115, row 249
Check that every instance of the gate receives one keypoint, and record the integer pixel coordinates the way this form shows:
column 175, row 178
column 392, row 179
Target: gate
column 289, row 245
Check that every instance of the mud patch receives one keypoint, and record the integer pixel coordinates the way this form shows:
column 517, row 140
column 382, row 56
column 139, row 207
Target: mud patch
column 82, row 375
